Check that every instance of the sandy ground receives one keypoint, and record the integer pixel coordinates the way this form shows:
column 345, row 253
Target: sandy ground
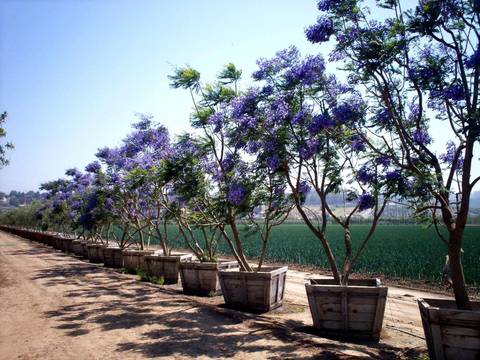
column 54, row 306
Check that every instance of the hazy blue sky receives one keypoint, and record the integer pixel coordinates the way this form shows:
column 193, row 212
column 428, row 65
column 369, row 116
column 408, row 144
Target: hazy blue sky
column 74, row 73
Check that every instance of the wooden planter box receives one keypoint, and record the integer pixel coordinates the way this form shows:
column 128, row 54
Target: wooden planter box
column 57, row 242
column 254, row 291
column 95, row 253
column 37, row 236
column 201, row 278
column 165, row 266
column 134, row 260
column 450, row 333
column 112, row 257
column 65, row 244
column 355, row 310
column 76, row 247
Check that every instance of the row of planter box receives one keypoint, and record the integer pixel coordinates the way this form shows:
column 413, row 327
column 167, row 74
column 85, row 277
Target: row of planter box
column 353, row 310
column 257, row 292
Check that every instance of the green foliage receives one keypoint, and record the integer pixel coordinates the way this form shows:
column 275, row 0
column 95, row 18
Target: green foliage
column 143, row 276
column 4, row 147
column 22, row 216
column 229, row 74
column 185, row 78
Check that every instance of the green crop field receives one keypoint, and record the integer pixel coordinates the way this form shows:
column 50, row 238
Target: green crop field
column 405, row 251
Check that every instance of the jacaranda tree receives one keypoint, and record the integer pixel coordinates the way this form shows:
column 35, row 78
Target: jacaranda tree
column 240, row 189
column 138, row 194
column 301, row 129
column 419, row 70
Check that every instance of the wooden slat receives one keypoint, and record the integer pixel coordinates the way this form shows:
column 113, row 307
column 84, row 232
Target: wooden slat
column 464, row 342
column 462, row 331
column 460, row 354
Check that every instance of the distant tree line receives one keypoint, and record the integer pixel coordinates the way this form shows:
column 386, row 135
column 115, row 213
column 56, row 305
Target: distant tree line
column 19, row 198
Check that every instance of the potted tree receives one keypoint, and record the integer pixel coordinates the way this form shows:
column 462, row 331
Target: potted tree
column 126, row 205
column 56, row 211
column 305, row 131
column 126, row 168
column 239, row 188
column 103, row 213
column 421, row 69
column 185, row 169
column 142, row 196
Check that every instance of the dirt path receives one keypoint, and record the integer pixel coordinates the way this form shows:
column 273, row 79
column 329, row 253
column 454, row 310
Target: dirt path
column 53, row 306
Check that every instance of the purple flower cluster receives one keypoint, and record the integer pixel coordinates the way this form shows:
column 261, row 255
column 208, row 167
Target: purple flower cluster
column 216, row 120
column 308, row 149
column 382, row 117
column 246, row 122
column 325, row 5
column 321, row 31
column 277, row 111
column 303, row 188
column 453, row 92
column 283, row 59
column 273, row 162
column 253, row 147
column 474, row 60
column 93, row 167
column 236, row 194
column 244, row 104
column 307, row 72
column 423, row 74
column 365, row 202
column 357, row 144
column 393, row 175
column 449, row 156
column 228, row 163
column 299, row 118
column 383, row 160
column 421, row 137
column 320, row 122
column 350, row 111
column 366, row 175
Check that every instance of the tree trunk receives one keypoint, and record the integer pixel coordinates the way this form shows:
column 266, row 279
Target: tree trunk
column 456, row 268
column 238, row 245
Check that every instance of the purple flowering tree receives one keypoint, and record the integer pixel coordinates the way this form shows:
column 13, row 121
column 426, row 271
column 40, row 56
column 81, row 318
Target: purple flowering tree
column 138, row 195
column 54, row 213
column 185, row 171
column 76, row 204
column 239, row 190
column 305, row 121
column 420, row 70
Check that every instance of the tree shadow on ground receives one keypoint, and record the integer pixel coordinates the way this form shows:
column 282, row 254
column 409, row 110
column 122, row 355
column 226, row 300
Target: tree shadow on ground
column 169, row 324
column 33, row 251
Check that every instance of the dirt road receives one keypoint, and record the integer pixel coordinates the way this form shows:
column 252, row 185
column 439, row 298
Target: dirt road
column 54, row 306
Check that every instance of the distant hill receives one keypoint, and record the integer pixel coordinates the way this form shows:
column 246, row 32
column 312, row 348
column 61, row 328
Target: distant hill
column 19, row 198
column 336, row 200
